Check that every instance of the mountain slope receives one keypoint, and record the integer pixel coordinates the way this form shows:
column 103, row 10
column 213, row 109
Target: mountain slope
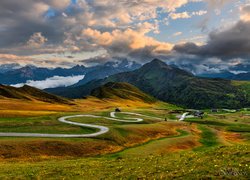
column 175, row 86
column 119, row 90
column 30, row 93
column 182, row 88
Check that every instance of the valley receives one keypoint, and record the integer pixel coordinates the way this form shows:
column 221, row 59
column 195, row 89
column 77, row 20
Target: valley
column 158, row 145
column 137, row 121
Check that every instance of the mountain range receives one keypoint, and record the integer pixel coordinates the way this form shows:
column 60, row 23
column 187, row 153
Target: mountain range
column 26, row 73
column 236, row 72
column 172, row 85
column 9, row 67
column 164, row 82
column 109, row 68
column 228, row 75
column 11, row 74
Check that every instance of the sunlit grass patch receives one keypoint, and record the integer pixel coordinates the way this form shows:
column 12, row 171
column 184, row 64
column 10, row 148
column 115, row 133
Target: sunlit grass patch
column 239, row 128
column 208, row 138
column 221, row 162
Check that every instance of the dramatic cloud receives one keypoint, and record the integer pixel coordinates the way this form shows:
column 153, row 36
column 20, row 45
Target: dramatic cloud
column 233, row 42
column 245, row 13
column 58, row 4
column 214, row 7
column 224, row 49
column 11, row 58
column 207, row 65
column 21, row 19
column 52, row 82
column 36, row 40
column 127, row 42
column 40, row 61
column 40, row 32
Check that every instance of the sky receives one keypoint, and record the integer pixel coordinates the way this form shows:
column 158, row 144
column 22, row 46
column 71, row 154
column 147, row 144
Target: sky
column 208, row 34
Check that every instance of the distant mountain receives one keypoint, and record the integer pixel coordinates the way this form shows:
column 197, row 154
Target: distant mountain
column 223, row 75
column 109, row 68
column 172, row 85
column 23, row 74
column 242, row 76
column 30, row 93
column 237, row 72
column 74, row 71
column 116, row 90
column 229, row 75
column 240, row 67
column 8, row 67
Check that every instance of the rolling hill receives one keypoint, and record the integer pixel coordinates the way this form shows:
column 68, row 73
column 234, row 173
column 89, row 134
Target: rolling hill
column 173, row 85
column 30, row 93
column 117, row 90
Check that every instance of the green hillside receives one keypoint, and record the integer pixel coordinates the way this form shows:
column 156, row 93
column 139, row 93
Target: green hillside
column 113, row 90
column 173, row 85
column 182, row 88
column 30, row 93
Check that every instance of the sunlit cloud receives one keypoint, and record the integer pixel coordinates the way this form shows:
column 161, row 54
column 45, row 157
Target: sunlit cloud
column 62, row 33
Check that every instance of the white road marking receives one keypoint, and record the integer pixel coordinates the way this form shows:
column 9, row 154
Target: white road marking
column 102, row 129
column 183, row 116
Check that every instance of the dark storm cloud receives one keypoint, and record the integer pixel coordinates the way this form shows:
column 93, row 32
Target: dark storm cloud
column 116, row 28
column 246, row 9
column 12, row 20
column 234, row 42
column 20, row 19
column 187, row 48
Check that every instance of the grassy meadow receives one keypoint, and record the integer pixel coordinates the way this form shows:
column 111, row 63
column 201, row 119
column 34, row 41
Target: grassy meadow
column 216, row 146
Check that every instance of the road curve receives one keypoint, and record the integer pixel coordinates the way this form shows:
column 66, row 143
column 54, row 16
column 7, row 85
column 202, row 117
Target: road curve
column 102, row 129
column 183, row 116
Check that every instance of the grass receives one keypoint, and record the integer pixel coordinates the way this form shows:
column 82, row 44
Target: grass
column 21, row 108
column 129, row 135
column 123, row 90
column 234, row 122
column 224, row 162
column 239, row 128
column 206, row 122
column 120, row 136
column 208, row 138
column 151, row 149
column 43, row 124
column 159, row 146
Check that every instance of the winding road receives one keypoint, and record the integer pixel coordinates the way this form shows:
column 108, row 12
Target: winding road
column 102, row 129
column 183, row 116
